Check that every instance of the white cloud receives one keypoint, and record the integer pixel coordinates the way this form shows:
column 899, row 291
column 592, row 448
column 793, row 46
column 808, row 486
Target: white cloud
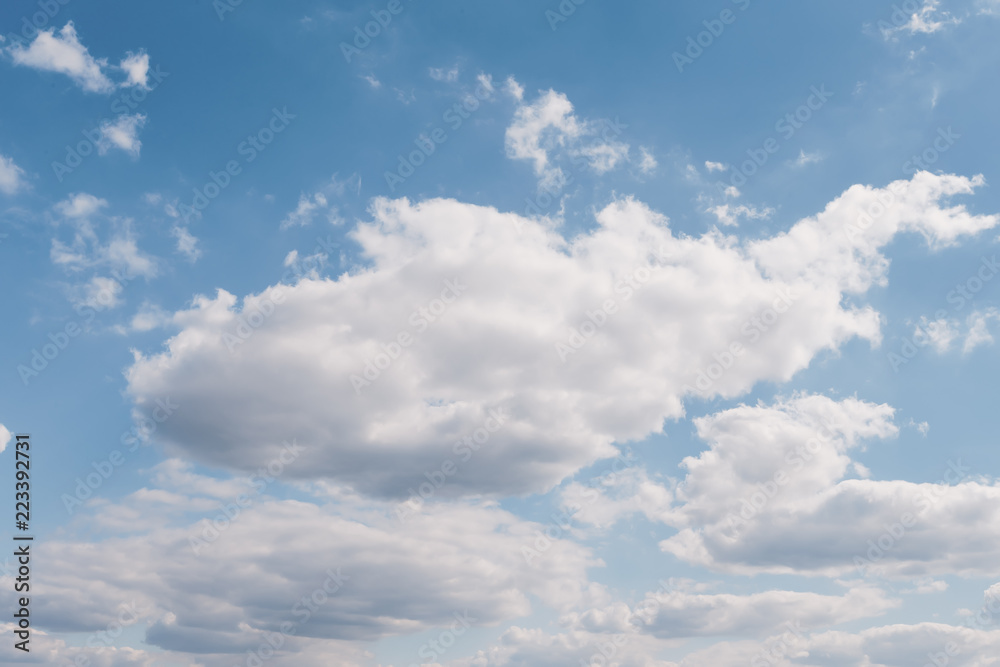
column 136, row 68
column 80, row 205
column 944, row 331
column 123, row 133
column 941, row 332
column 730, row 214
column 396, row 578
column 11, row 176
column 486, row 82
column 187, row 243
column 715, row 166
column 149, row 317
column 514, row 89
column 372, row 81
column 305, row 364
column 603, row 157
column 4, row 437
column 540, row 132
column 925, row 20
column 65, row 54
column 773, row 494
column 303, row 213
column 647, row 163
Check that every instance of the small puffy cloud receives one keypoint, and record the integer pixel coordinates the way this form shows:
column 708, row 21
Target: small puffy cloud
column 715, row 166
column 122, row 133
column 4, row 437
column 979, row 333
column 372, row 81
column 514, row 89
column 64, row 53
column 11, row 176
column 136, row 68
column 80, row 205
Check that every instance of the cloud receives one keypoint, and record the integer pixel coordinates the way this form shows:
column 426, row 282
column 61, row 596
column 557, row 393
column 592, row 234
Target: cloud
column 372, row 81
column 65, row 54
column 544, row 131
column 123, row 133
column 631, row 321
column 4, row 437
column 309, row 205
column 923, row 21
column 514, row 89
column 647, row 164
column 943, row 332
column 715, row 166
column 773, row 493
column 730, row 214
column 187, row 244
column 807, row 158
column 136, row 68
column 80, row 205
column 393, row 579
column 11, row 176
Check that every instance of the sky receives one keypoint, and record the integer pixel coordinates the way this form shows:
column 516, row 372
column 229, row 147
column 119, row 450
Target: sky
column 467, row 334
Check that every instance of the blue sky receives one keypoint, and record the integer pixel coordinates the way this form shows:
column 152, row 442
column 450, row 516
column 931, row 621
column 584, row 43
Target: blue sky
column 209, row 241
